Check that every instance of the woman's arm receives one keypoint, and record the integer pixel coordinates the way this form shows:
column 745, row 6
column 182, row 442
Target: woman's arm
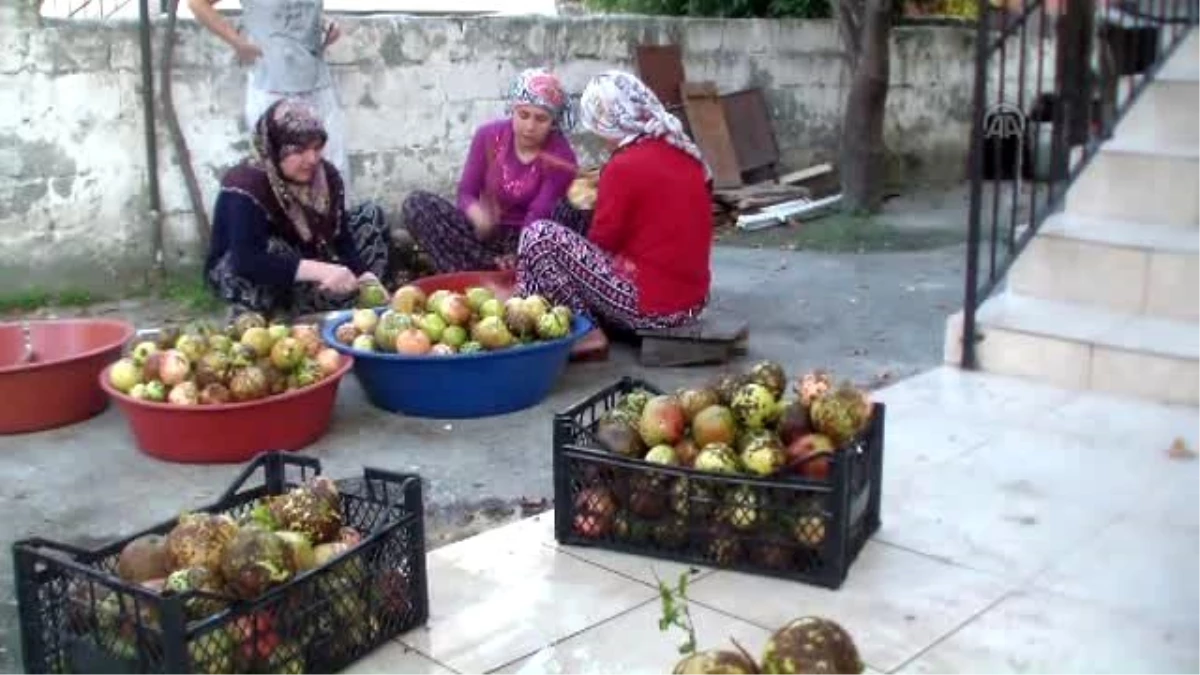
column 560, row 168
column 614, row 202
column 210, row 18
column 347, row 250
column 249, row 231
column 471, row 184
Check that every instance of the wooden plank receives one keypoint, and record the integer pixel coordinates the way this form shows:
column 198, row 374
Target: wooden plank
column 712, row 326
column 707, row 118
column 661, row 68
column 806, row 174
column 657, row 353
column 751, row 130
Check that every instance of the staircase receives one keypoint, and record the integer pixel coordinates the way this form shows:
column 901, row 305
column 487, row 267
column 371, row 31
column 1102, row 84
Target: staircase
column 1104, row 296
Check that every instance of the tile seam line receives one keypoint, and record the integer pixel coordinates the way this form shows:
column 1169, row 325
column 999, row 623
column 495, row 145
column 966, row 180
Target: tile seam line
column 699, row 575
column 581, row 631
column 399, row 639
column 956, row 629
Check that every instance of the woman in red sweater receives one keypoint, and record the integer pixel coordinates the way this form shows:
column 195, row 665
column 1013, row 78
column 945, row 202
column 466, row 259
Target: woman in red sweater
column 645, row 260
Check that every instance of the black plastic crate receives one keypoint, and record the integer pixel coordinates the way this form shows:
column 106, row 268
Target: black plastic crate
column 77, row 615
column 790, row 527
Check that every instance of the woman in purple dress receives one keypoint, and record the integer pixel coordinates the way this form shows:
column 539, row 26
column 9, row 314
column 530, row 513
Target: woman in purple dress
column 518, row 172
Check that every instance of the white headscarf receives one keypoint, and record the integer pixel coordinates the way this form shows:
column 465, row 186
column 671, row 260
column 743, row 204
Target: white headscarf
column 618, row 106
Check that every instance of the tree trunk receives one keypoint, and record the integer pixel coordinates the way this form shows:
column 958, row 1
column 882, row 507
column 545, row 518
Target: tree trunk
column 182, row 152
column 866, row 32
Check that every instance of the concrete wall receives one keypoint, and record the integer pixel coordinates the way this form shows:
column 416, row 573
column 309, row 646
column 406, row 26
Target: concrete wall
column 73, row 192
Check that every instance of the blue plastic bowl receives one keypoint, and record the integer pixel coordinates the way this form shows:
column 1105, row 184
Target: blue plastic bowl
column 458, row 386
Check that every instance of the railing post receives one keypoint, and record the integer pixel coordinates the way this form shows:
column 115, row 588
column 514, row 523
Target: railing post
column 1076, row 28
column 975, row 161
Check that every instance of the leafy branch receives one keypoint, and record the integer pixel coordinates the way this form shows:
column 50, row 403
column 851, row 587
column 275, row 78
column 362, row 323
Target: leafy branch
column 675, row 611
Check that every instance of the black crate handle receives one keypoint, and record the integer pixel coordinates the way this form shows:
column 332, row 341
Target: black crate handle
column 273, row 464
column 381, row 480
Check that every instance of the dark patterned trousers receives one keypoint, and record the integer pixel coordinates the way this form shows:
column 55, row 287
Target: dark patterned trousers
column 567, row 269
column 445, row 233
column 371, row 238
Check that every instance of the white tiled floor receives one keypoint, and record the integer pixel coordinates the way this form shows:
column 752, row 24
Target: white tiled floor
column 1025, row 529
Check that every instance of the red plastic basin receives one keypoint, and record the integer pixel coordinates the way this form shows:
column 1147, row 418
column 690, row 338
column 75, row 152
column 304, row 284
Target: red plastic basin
column 231, row 432
column 500, row 283
column 59, row 387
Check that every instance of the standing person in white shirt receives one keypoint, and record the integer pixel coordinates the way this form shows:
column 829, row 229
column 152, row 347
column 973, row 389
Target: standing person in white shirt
column 284, row 43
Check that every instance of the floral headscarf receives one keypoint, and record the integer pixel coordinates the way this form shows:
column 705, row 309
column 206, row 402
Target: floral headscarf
column 287, row 127
column 618, row 106
column 540, row 87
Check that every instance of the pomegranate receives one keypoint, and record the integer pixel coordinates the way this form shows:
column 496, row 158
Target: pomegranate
column 662, row 421
column 364, row 320
column 455, row 310
column 214, row 394
column 329, row 361
column 686, row 451
column 809, row 456
column 184, row 393
column 191, row 346
column 695, row 400
column 413, row 341
column 142, row 351
column 345, row 333
column 492, row 334
column 433, row 325
column 595, row 510
column 173, row 367
column 258, row 339
column 408, row 299
column 535, row 306
column 435, row 300
column 476, row 296
column 248, row 384
column 455, row 336
column 287, row 353
column 812, row 386
column 309, row 337
column 124, row 375
column 714, row 424
column 491, row 307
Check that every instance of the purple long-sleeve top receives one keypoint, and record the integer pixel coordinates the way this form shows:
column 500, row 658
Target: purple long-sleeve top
column 523, row 192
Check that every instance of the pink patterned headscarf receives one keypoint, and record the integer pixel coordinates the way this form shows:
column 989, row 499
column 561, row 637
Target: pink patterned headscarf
column 618, row 106
column 540, row 87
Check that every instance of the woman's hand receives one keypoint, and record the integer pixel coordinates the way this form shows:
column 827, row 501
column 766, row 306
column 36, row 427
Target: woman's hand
column 484, row 222
column 338, row 279
column 247, row 52
column 332, row 33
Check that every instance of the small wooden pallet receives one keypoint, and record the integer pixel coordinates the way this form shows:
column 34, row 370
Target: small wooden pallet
column 714, row 338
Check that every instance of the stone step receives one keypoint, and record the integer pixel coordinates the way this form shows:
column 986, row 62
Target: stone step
column 1080, row 347
column 1189, row 51
column 1136, row 268
column 1139, row 180
column 1165, row 111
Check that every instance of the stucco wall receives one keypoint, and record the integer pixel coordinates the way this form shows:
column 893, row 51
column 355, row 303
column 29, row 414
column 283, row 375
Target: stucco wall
column 72, row 161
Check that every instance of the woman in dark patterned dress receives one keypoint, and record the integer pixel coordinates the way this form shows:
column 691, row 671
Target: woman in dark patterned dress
column 283, row 242
column 518, row 171
column 644, row 262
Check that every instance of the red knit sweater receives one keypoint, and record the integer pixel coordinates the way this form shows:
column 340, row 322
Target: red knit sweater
column 654, row 214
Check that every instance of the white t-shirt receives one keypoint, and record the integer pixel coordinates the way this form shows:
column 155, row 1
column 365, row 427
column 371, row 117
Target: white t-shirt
column 291, row 36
